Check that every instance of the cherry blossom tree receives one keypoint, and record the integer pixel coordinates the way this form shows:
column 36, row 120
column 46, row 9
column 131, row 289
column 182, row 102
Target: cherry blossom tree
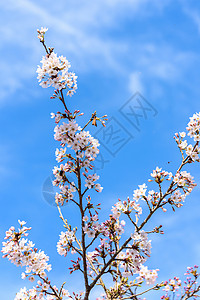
column 100, row 248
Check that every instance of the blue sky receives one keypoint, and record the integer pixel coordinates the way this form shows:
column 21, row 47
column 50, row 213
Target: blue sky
column 116, row 48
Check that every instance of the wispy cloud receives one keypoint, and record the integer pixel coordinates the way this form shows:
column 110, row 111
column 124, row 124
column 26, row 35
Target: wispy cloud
column 6, row 159
column 83, row 30
column 135, row 83
column 192, row 12
column 80, row 28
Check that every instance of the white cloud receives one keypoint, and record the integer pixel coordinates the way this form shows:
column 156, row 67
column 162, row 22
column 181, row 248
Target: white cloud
column 135, row 83
column 80, row 29
column 163, row 61
column 6, row 164
column 192, row 13
column 76, row 20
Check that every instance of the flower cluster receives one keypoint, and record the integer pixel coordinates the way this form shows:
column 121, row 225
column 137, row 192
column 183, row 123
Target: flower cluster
column 67, row 189
column 80, row 141
column 21, row 252
column 152, row 196
column 25, row 294
column 184, row 180
column 172, row 285
column 126, row 207
column 159, row 175
column 141, row 242
column 177, row 198
column 131, row 260
column 140, row 193
column 92, row 227
column 191, row 280
column 57, row 117
column 90, row 182
column 41, row 32
column 65, row 242
column 149, row 276
column 190, row 150
column 188, row 288
column 55, row 72
column 60, row 154
column 193, row 152
column 86, row 149
column 194, row 127
column 39, row 293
